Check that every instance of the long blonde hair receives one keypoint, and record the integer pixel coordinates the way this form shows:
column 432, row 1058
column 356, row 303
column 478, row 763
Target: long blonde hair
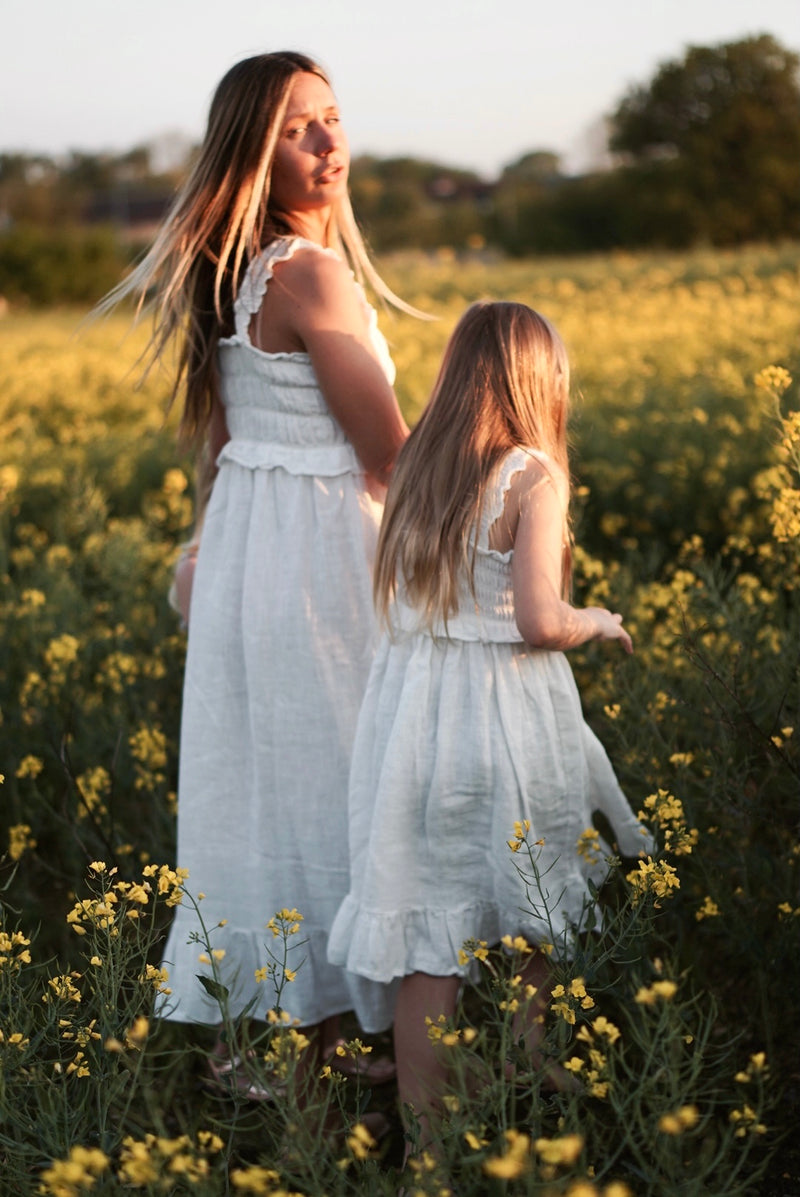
column 220, row 219
column 503, row 382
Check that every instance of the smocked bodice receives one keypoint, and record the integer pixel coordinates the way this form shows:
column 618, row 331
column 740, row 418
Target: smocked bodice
column 275, row 411
column 488, row 613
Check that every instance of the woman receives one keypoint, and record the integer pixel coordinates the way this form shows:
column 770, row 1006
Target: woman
column 288, row 385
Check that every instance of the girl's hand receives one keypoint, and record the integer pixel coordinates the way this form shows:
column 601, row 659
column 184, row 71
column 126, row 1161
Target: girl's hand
column 609, row 627
column 544, row 618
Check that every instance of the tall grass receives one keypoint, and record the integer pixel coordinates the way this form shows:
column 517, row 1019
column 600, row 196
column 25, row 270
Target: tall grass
column 676, row 1018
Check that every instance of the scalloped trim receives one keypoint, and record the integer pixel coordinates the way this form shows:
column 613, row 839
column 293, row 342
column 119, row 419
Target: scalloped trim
column 257, row 276
column 514, row 462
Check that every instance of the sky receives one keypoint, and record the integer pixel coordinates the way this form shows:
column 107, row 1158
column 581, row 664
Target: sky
column 468, row 83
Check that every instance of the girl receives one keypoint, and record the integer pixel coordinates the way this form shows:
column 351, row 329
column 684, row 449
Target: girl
column 288, row 389
column 471, row 721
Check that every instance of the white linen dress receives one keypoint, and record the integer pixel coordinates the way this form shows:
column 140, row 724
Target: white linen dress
column 281, row 637
column 461, row 735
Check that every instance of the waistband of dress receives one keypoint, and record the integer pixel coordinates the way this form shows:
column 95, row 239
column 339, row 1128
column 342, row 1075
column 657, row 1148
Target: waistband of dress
column 483, row 626
column 325, row 460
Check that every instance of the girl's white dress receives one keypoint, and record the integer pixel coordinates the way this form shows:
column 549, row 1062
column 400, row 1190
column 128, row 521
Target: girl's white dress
column 460, row 736
column 281, row 637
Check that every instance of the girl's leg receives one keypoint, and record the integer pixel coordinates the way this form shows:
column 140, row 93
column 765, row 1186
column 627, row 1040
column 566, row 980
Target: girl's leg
column 421, row 1073
column 528, row 1025
column 527, row 1022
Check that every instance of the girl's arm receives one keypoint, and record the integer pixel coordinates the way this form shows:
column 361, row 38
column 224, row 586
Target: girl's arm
column 544, row 619
column 313, row 303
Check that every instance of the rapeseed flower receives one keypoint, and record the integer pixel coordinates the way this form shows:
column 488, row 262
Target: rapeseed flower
column 76, row 1174
column 515, row 1160
column 20, row 841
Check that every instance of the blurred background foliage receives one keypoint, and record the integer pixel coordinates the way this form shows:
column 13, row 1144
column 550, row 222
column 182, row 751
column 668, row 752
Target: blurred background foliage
column 706, row 153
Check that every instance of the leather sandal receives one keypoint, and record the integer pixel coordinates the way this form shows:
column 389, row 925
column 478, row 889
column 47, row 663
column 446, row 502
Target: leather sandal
column 228, row 1075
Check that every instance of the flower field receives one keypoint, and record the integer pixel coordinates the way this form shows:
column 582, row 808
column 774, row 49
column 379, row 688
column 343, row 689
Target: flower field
column 676, row 1019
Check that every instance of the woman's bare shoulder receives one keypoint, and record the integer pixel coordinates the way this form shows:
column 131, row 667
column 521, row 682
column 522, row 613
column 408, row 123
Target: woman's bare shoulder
column 313, row 271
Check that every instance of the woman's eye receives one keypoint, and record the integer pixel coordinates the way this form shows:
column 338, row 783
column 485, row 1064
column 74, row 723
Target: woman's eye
column 296, row 131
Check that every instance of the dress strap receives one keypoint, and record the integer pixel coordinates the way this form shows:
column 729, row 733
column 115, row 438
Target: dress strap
column 259, row 271
column 514, row 461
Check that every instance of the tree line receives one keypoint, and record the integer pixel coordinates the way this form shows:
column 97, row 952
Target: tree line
column 707, row 152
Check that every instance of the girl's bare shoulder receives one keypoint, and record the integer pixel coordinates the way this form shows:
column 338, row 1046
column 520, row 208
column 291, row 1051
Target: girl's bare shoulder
column 538, row 476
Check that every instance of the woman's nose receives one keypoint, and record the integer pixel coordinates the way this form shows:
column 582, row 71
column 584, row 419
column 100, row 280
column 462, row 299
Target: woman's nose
column 326, row 141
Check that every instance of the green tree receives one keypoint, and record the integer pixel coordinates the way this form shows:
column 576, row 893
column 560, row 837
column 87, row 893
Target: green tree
column 721, row 128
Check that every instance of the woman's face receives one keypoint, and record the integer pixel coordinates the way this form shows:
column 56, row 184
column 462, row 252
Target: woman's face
column 310, row 167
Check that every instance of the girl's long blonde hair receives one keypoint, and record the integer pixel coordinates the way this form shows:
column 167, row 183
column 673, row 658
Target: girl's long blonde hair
column 503, row 382
column 220, row 219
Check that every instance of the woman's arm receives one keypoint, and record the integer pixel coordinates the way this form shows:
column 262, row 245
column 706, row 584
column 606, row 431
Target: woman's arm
column 313, row 303
column 218, row 434
column 544, row 619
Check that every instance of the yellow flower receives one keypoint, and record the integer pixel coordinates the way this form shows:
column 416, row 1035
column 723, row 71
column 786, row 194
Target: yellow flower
column 63, row 988
column 650, row 877
column 517, row 944
column 30, row 766
column 773, row 378
column 514, row 1162
column 757, row 1066
column 588, row 845
column 255, row 1179
column 137, row 1032
column 603, row 1026
column 20, row 840
column 676, row 1123
column 746, row 1122
column 565, row 1011
column 361, row 1142
column 708, row 910
column 285, row 922
column 659, row 989
column 560, row 1152
column 474, row 1142
column 67, row 1178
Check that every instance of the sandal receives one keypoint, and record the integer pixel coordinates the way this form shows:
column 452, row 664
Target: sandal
column 377, row 1071
column 228, row 1076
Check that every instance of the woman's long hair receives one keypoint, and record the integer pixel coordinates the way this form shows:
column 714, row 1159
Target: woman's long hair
column 220, row 220
column 503, row 382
